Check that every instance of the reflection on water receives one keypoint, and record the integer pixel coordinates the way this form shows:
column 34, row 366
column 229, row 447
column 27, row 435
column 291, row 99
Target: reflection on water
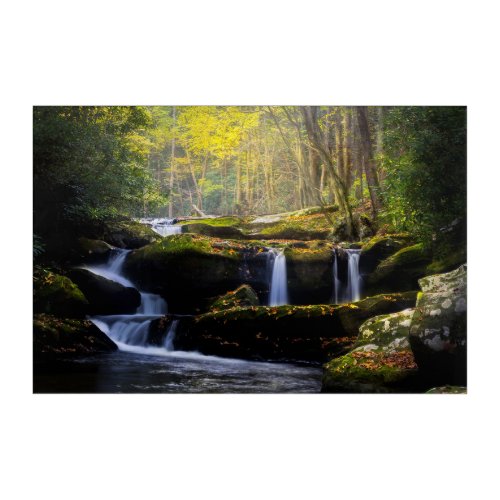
column 179, row 372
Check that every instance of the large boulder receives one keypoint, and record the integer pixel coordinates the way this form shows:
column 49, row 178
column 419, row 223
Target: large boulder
column 380, row 248
column 309, row 273
column 381, row 360
column 128, row 234
column 438, row 332
column 304, row 333
column 53, row 335
column 188, row 270
column 399, row 272
column 106, row 296
column 243, row 296
column 93, row 250
column 215, row 231
column 57, row 294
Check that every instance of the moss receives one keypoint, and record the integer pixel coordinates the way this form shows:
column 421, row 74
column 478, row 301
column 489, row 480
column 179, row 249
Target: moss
column 214, row 221
column 214, row 230
column 192, row 244
column 56, row 294
column 401, row 271
column 54, row 335
column 447, row 262
column 388, row 240
column 243, row 296
column 371, row 371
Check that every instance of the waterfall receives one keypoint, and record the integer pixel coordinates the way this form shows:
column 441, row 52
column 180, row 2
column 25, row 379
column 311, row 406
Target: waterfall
column 278, row 294
column 130, row 329
column 162, row 226
column 353, row 276
column 337, row 284
column 169, row 339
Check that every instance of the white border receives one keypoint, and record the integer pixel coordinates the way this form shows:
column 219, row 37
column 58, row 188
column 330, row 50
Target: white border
column 260, row 52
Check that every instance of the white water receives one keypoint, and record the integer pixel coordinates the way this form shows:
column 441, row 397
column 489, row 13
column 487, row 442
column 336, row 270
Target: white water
column 337, row 284
column 162, row 226
column 130, row 329
column 353, row 277
column 278, row 294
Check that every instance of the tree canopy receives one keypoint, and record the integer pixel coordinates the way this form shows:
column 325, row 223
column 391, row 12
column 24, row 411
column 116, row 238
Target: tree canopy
column 405, row 167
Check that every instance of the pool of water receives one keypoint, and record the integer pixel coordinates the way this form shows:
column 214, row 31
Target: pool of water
column 156, row 371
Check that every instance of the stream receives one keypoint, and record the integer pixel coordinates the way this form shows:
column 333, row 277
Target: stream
column 139, row 367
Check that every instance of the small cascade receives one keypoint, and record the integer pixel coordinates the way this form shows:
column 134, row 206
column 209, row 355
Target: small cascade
column 130, row 329
column 353, row 277
column 170, row 337
column 278, row 294
column 163, row 226
column 337, row 284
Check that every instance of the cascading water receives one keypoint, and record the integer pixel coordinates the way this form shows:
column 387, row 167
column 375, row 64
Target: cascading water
column 337, row 284
column 353, row 277
column 278, row 294
column 163, row 226
column 130, row 329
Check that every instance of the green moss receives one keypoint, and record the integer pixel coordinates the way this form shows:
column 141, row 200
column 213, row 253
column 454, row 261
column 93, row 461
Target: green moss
column 54, row 335
column 448, row 262
column 56, row 294
column 243, row 296
column 359, row 372
column 214, row 221
column 190, row 244
column 392, row 241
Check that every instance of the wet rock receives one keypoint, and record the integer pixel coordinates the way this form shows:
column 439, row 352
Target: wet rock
column 106, row 296
column 57, row 294
column 243, row 296
column 188, row 270
column 94, row 250
column 438, row 332
column 215, row 231
column 448, row 389
column 381, row 359
column 53, row 335
column 380, row 248
column 303, row 333
column 400, row 272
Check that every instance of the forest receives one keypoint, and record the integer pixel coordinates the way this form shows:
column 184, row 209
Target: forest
column 344, row 210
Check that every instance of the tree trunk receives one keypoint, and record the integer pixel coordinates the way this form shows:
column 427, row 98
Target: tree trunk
column 172, row 170
column 368, row 159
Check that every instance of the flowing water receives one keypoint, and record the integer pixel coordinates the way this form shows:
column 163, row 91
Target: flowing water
column 162, row 226
column 139, row 367
column 353, row 277
column 337, row 284
column 278, row 294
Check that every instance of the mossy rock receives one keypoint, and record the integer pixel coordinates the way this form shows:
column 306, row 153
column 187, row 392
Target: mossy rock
column 447, row 262
column 448, row 389
column 106, row 296
column 400, row 272
column 214, row 230
column 304, row 333
column 380, row 248
column 212, row 221
column 128, row 234
column 243, row 296
column 438, row 332
column 381, row 359
column 187, row 270
column 309, row 273
column 57, row 294
column 94, row 250
column 54, row 336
